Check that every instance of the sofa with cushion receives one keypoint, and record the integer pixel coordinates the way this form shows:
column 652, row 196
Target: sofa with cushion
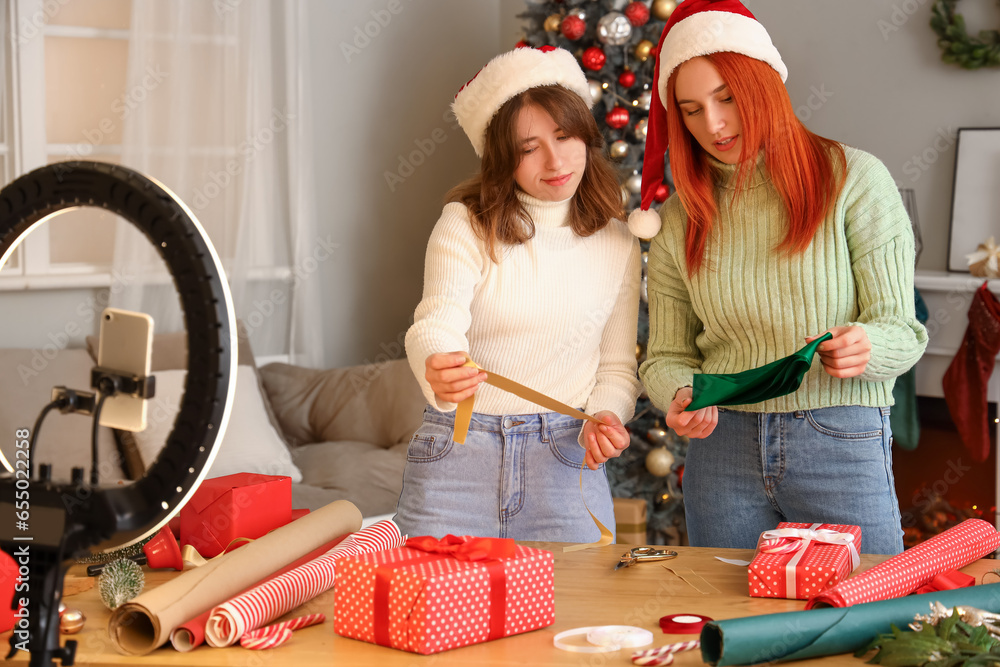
column 339, row 433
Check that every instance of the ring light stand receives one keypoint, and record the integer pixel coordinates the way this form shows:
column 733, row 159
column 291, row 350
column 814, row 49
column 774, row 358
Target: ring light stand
column 66, row 520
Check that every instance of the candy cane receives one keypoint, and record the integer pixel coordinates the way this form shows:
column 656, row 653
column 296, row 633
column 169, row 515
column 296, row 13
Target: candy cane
column 780, row 546
column 275, row 635
column 657, row 657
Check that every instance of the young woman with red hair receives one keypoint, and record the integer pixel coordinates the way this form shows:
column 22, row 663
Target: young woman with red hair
column 774, row 237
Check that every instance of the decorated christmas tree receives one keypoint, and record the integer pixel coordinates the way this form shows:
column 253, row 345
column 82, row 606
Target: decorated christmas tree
column 615, row 42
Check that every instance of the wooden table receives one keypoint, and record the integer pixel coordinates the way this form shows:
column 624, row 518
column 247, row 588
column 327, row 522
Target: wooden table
column 587, row 592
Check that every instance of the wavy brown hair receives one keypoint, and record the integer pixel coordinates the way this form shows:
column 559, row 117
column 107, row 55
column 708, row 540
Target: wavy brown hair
column 491, row 195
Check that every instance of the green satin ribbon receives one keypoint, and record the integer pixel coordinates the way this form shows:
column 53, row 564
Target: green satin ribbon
column 757, row 384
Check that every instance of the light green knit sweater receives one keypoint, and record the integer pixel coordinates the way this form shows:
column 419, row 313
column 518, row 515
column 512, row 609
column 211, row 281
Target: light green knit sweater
column 750, row 305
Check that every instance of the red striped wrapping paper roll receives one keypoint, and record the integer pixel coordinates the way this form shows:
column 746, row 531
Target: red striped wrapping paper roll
column 901, row 575
column 275, row 635
column 233, row 619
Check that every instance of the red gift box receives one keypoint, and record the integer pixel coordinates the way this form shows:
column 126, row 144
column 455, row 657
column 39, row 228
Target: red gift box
column 434, row 595
column 799, row 560
column 241, row 505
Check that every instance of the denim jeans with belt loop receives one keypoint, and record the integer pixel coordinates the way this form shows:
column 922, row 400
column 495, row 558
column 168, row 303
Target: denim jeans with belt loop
column 829, row 465
column 516, row 476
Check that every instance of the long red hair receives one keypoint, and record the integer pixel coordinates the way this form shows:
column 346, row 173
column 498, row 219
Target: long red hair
column 803, row 166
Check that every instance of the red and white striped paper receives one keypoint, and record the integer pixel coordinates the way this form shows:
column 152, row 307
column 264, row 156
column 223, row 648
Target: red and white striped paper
column 275, row 635
column 233, row 619
column 901, row 575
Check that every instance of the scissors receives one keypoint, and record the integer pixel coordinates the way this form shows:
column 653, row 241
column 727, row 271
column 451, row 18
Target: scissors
column 639, row 554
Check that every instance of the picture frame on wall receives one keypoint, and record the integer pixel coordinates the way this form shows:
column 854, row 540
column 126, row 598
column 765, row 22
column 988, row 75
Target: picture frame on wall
column 975, row 194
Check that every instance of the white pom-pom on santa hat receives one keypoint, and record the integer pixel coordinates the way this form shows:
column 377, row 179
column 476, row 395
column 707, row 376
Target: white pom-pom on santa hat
column 644, row 223
column 695, row 28
column 508, row 75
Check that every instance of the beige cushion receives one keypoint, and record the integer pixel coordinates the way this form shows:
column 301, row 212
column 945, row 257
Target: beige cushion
column 250, row 444
column 376, row 403
column 63, row 440
column 367, row 475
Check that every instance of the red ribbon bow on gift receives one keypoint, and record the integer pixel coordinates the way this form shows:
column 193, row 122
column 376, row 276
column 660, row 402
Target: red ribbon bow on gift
column 465, row 548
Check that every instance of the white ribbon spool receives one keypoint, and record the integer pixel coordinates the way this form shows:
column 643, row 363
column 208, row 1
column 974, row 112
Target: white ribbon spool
column 605, row 638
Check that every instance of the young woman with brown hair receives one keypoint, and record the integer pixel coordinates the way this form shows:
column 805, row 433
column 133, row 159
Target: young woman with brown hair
column 530, row 272
column 774, row 236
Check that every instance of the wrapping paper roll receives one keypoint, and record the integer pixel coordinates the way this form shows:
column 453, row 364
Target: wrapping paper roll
column 191, row 634
column 901, row 575
column 231, row 620
column 143, row 624
column 809, row 634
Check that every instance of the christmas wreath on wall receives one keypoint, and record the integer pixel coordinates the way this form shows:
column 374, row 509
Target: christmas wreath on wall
column 956, row 45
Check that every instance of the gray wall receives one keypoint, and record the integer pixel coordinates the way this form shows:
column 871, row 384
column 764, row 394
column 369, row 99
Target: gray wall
column 868, row 73
column 384, row 112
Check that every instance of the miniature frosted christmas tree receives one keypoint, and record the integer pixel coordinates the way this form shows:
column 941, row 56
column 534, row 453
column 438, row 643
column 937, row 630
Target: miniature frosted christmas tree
column 120, row 581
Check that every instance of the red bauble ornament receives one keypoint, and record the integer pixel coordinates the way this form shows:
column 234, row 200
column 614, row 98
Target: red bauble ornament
column 617, row 118
column 680, row 477
column 573, row 27
column 627, row 78
column 594, row 58
column 637, row 14
column 661, row 196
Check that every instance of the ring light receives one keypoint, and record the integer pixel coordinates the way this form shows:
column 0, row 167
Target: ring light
column 68, row 519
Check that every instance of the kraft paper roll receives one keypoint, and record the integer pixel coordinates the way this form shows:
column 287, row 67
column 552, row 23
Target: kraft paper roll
column 145, row 623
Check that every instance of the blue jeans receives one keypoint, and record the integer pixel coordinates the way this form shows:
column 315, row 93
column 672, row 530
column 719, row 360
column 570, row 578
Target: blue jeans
column 831, row 465
column 516, row 476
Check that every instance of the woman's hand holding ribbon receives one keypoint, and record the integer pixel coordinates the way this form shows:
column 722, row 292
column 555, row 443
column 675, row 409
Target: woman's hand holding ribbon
column 450, row 378
column 604, row 441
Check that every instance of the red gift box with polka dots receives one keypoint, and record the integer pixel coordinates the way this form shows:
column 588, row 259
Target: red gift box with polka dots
column 800, row 560
column 423, row 602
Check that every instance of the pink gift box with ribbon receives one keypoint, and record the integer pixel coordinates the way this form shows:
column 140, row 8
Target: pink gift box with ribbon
column 800, row 560
column 433, row 595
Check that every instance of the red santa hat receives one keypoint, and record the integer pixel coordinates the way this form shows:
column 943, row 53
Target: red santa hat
column 509, row 74
column 696, row 28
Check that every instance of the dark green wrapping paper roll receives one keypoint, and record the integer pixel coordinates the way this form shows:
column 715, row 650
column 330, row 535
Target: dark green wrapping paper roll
column 772, row 380
column 809, row 634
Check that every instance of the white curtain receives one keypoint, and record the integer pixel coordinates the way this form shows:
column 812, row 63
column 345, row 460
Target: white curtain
column 217, row 109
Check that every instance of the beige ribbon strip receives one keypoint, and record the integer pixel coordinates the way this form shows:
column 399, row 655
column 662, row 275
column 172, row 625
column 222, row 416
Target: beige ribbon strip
column 190, row 555
column 693, row 579
column 463, row 415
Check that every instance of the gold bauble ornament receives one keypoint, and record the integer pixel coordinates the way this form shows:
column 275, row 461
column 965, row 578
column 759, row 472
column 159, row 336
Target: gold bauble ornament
column 71, row 621
column 643, row 49
column 552, row 23
column 659, row 461
column 618, row 151
column 662, row 9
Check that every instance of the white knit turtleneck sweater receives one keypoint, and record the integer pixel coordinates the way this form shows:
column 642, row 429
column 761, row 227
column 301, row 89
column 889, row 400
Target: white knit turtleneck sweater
column 558, row 313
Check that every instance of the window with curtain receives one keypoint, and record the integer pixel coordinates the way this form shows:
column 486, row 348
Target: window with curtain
column 206, row 98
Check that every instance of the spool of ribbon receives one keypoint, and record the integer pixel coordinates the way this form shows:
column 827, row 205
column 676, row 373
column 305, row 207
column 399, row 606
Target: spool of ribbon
column 797, row 541
column 463, row 415
column 603, row 638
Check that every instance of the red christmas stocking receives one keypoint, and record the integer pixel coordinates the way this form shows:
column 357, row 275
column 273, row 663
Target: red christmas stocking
column 965, row 382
